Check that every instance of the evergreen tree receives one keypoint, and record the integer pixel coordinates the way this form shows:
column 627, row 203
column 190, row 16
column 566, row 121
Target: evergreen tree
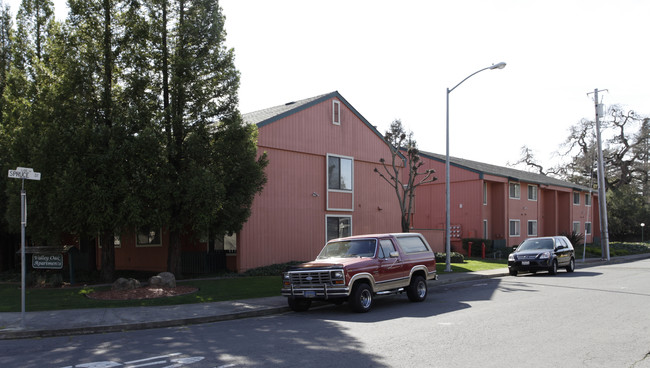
column 200, row 84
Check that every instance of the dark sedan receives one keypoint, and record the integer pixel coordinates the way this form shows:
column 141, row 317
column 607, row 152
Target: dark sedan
column 542, row 254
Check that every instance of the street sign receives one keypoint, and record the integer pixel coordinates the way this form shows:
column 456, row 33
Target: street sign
column 24, row 173
column 47, row 261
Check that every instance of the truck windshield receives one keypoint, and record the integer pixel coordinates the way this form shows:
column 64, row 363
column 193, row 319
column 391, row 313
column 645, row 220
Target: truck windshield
column 349, row 249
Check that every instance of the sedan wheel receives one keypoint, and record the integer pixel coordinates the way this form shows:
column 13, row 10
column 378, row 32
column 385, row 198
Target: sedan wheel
column 572, row 266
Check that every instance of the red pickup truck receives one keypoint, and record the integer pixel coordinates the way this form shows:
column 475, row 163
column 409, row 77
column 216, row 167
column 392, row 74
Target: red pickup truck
column 355, row 269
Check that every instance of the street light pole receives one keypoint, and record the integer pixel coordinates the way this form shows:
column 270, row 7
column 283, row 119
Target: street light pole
column 500, row 65
column 642, row 226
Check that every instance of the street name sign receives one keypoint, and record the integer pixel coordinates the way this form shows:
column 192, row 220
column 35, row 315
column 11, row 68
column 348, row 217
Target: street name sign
column 24, row 173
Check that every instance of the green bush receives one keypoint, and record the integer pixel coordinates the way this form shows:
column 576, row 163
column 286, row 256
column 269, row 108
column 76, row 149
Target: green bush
column 454, row 257
column 574, row 238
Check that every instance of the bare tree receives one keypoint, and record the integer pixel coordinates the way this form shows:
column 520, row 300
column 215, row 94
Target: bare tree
column 404, row 154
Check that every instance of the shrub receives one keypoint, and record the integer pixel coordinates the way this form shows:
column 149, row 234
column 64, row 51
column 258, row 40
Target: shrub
column 454, row 257
column 574, row 238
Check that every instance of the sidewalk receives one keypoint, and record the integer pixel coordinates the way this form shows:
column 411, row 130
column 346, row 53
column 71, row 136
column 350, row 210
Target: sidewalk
column 98, row 320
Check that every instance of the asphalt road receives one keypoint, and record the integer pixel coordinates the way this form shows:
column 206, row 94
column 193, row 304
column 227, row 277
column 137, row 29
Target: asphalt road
column 595, row 317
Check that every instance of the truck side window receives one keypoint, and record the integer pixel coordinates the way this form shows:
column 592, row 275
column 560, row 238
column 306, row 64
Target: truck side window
column 412, row 244
column 387, row 248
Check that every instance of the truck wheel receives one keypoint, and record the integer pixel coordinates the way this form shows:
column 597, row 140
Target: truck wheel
column 299, row 304
column 361, row 298
column 417, row 290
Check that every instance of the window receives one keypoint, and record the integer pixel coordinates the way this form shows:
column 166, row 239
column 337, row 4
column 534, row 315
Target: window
column 339, row 173
column 588, row 228
column 338, row 227
column 336, row 112
column 515, row 228
column 515, row 191
column 484, row 193
column 576, row 197
column 147, row 236
column 532, row 228
column 532, row 192
column 587, row 199
column 386, row 248
column 412, row 244
column 576, row 227
column 485, row 229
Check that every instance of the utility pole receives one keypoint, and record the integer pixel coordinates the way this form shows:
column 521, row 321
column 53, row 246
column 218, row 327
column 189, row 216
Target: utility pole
column 602, row 201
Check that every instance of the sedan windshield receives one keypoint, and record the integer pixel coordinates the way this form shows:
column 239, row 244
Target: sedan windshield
column 534, row 244
column 349, row 249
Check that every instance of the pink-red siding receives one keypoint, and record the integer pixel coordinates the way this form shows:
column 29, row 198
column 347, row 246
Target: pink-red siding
column 288, row 218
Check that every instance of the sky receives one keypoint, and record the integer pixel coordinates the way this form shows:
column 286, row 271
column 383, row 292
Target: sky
column 396, row 59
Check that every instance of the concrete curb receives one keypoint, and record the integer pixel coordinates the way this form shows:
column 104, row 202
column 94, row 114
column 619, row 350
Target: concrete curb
column 28, row 334
column 265, row 310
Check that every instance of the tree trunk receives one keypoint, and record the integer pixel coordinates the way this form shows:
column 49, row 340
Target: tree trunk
column 108, row 256
column 174, row 264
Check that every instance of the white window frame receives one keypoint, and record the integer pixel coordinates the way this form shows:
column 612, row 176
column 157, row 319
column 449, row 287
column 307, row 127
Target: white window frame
column 532, row 189
column 485, row 199
column 337, row 216
column 576, row 195
column 485, row 229
column 517, row 187
column 573, row 228
column 518, row 228
column 142, row 245
column 588, row 199
column 588, row 228
column 336, row 112
column 528, row 228
column 327, row 174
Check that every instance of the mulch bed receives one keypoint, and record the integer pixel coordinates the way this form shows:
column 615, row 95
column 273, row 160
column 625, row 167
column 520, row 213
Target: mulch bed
column 148, row 292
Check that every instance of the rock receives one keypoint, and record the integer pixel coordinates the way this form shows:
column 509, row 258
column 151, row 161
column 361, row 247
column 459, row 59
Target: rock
column 163, row 279
column 125, row 284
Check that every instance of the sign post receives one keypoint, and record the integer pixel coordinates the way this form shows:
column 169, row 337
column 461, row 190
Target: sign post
column 23, row 173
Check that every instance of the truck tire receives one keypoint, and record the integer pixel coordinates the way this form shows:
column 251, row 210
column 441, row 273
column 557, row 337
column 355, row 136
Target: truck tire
column 417, row 290
column 361, row 298
column 299, row 304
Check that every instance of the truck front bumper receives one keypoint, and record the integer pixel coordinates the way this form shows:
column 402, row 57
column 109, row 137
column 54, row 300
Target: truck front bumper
column 316, row 291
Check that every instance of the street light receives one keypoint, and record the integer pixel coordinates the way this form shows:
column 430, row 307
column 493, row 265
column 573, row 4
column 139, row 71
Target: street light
column 500, row 65
column 642, row 226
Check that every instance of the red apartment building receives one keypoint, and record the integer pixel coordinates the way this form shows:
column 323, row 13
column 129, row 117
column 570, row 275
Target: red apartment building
column 321, row 184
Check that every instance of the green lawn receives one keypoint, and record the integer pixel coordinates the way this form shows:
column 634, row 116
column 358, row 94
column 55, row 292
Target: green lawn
column 40, row 299
column 218, row 289
column 472, row 265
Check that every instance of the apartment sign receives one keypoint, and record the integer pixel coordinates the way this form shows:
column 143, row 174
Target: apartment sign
column 47, row 261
